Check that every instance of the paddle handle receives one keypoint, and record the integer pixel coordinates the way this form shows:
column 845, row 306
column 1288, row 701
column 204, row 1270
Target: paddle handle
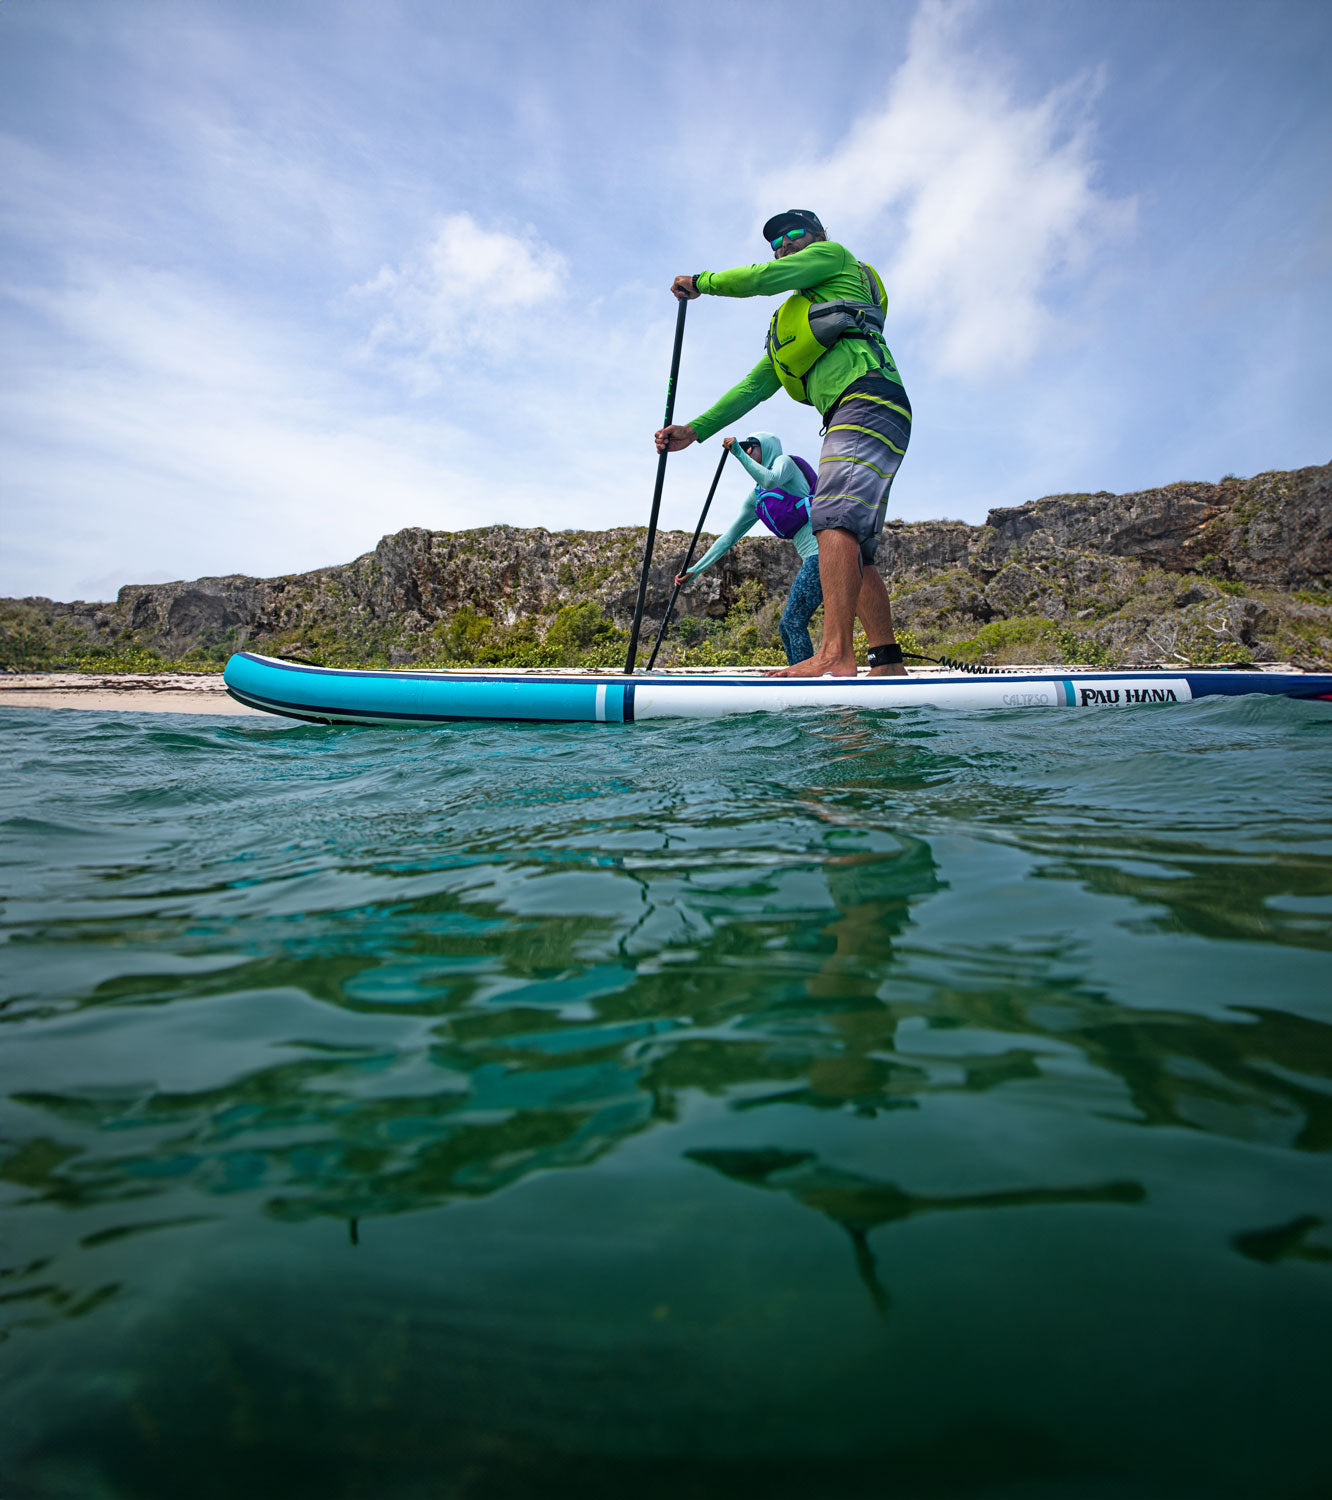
column 689, row 557
column 632, row 652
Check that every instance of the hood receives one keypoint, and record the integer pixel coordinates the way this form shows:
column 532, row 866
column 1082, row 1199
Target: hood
column 769, row 445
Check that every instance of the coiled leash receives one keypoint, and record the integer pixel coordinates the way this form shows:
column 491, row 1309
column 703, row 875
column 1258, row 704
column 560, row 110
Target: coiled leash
column 888, row 656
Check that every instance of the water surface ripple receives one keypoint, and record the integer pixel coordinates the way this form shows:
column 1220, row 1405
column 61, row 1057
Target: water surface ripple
column 811, row 1105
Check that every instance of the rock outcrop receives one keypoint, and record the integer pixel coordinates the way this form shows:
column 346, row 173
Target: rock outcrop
column 1195, row 571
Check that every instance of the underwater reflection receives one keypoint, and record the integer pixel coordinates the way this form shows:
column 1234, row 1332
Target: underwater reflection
column 859, row 1204
column 793, row 994
column 873, row 895
column 631, row 1010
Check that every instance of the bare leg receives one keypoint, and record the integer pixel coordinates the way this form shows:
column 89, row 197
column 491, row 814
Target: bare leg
column 839, row 573
column 876, row 615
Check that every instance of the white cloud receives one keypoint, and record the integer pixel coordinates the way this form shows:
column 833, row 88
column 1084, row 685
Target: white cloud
column 985, row 200
column 470, row 291
column 171, row 429
column 195, row 437
column 193, row 388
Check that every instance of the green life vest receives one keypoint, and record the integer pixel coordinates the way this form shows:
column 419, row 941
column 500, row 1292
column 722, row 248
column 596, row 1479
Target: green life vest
column 804, row 328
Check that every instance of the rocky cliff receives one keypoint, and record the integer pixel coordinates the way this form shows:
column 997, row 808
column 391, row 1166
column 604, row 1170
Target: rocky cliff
column 1203, row 572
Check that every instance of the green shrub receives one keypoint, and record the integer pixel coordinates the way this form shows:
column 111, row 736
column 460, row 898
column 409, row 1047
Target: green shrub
column 578, row 626
column 711, row 652
column 1025, row 630
column 1227, row 651
column 1077, row 650
column 748, row 597
column 464, row 634
column 1067, row 643
column 519, row 645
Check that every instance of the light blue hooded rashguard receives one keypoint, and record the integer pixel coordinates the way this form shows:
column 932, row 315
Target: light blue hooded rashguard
column 776, row 472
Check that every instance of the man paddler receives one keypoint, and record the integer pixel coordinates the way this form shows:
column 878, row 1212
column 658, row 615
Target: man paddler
column 826, row 349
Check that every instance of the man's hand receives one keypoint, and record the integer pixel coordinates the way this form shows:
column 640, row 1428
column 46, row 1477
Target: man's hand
column 685, row 289
column 672, row 439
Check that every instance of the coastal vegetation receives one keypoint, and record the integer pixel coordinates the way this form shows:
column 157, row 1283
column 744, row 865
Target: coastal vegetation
column 1235, row 572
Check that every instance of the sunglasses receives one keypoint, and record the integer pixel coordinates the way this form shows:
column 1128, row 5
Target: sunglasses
column 791, row 234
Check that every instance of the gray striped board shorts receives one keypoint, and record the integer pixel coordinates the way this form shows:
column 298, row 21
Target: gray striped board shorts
column 867, row 438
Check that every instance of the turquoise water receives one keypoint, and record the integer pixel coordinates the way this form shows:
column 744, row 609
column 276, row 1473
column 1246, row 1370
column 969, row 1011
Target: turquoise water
column 833, row 1105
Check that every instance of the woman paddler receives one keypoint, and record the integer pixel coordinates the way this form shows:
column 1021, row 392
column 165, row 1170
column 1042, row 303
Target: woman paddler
column 780, row 499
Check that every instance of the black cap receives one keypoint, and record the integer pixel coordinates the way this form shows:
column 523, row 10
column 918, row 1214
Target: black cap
column 793, row 218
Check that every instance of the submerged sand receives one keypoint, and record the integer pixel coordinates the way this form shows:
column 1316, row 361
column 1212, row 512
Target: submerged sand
column 131, row 692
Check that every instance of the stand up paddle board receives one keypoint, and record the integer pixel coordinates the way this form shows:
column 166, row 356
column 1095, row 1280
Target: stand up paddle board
column 339, row 695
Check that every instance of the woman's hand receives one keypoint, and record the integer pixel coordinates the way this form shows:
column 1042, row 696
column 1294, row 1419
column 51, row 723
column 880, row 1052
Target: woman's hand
column 680, row 578
column 672, row 439
column 728, row 443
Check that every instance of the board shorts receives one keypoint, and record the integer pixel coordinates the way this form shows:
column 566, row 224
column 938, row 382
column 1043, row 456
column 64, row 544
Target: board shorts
column 867, row 436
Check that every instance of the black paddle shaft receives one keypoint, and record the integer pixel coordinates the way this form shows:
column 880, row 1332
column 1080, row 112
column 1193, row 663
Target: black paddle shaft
column 656, row 495
column 689, row 557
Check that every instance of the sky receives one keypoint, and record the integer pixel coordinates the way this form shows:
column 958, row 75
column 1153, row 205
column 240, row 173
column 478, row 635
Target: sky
column 279, row 279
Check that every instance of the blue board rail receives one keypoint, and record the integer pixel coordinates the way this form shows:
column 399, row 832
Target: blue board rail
column 349, row 695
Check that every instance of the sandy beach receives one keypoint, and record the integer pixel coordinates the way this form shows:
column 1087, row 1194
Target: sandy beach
column 131, row 692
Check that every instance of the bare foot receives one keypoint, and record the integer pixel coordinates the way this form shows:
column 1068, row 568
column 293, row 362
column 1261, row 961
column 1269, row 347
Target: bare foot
column 895, row 670
column 820, row 665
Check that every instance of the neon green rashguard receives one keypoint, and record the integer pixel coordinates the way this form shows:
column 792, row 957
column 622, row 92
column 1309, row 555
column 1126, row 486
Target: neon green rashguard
column 831, row 272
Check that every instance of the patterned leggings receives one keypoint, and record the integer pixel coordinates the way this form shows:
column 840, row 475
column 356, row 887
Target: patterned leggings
column 805, row 597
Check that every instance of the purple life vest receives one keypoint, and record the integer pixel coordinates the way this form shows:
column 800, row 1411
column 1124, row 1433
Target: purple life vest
column 783, row 513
